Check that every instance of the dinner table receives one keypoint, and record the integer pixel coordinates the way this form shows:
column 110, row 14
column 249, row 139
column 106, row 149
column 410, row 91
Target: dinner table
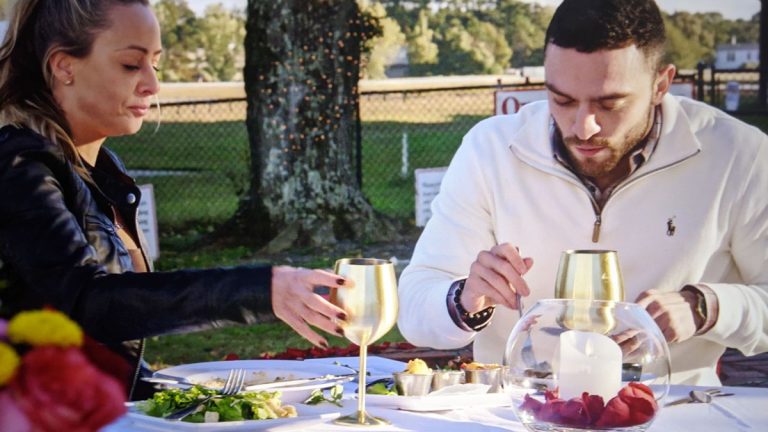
column 746, row 410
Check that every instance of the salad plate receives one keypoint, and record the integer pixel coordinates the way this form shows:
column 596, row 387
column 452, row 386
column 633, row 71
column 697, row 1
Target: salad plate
column 211, row 374
column 306, row 415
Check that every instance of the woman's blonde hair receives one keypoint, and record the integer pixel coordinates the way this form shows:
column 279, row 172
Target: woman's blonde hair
column 36, row 30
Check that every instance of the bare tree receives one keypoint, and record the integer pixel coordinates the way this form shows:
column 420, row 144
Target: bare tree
column 301, row 79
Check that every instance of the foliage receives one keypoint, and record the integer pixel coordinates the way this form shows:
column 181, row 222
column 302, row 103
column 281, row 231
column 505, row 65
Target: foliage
column 221, row 35
column 207, row 48
column 471, row 46
column 210, row 47
column 3, row 6
column 179, row 30
column 383, row 48
column 422, row 49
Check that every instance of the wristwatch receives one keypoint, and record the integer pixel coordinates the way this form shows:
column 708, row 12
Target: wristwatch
column 701, row 305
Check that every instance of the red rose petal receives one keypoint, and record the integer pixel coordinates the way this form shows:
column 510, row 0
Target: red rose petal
column 550, row 411
column 594, row 404
column 574, row 413
column 615, row 414
column 531, row 405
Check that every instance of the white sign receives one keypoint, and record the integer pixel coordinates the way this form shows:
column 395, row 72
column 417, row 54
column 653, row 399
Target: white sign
column 148, row 220
column 427, row 186
column 732, row 96
column 510, row 101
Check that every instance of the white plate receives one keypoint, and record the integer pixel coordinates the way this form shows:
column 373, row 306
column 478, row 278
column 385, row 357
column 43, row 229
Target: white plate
column 439, row 402
column 306, row 415
column 264, row 371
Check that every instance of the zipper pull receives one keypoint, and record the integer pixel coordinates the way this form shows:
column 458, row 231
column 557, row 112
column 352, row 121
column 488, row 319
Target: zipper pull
column 596, row 229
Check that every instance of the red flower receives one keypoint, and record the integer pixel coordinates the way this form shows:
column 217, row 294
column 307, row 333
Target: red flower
column 59, row 389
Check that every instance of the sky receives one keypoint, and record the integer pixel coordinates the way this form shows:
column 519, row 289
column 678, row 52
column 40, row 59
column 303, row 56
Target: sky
column 731, row 9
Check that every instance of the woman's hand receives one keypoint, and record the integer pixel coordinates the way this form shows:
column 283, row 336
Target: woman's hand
column 294, row 301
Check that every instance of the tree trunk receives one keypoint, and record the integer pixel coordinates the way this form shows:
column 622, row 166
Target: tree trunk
column 301, row 80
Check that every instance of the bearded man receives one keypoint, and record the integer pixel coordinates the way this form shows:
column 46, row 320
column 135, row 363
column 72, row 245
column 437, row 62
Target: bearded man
column 610, row 161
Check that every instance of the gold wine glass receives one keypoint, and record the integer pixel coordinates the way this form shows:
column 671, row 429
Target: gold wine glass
column 371, row 308
column 589, row 275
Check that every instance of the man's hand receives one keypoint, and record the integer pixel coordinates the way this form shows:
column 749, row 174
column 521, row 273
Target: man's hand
column 496, row 277
column 674, row 313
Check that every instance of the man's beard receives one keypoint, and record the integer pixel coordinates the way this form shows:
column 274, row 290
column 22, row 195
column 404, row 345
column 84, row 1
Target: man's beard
column 596, row 168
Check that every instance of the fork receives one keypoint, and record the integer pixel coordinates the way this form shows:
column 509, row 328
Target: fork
column 527, row 351
column 697, row 396
column 232, row 386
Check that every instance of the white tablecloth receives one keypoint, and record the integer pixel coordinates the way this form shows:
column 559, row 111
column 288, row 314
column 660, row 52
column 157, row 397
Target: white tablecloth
column 746, row 411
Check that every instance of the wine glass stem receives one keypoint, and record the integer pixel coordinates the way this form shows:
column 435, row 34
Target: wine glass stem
column 361, row 388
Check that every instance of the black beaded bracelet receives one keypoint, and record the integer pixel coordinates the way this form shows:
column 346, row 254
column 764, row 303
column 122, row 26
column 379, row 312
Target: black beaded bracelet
column 476, row 321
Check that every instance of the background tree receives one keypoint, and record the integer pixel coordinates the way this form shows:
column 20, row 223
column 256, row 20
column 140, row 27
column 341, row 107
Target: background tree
column 471, row 47
column 3, row 6
column 301, row 80
column 422, row 49
column 222, row 34
column 382, row 49
column 182, row 58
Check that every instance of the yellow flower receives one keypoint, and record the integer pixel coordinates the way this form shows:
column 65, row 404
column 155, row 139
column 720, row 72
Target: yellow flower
column 44, row 327
column 9, row 361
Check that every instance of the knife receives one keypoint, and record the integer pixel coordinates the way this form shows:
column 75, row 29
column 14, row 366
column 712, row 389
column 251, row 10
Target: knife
column 160, row 378
column 300, row 381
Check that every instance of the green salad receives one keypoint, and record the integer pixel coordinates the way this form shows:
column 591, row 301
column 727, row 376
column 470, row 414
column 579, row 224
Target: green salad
column 261, row 405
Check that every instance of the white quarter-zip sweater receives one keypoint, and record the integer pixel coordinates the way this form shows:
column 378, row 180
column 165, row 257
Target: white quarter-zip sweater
column 708, row 178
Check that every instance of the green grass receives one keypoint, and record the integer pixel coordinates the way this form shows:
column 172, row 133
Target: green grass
column 214, row 157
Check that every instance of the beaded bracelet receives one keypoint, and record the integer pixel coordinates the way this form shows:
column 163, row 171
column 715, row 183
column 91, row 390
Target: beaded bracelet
column 476, row 321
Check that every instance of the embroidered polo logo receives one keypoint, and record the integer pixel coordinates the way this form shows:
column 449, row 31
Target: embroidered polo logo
column 671, row 226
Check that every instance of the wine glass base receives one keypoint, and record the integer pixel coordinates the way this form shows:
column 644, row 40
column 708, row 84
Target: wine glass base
column 361, row 419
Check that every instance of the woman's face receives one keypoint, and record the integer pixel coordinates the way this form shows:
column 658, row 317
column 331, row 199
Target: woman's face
column 111, row 89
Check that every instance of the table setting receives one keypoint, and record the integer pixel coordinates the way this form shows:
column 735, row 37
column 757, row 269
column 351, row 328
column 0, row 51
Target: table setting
column 582, row 361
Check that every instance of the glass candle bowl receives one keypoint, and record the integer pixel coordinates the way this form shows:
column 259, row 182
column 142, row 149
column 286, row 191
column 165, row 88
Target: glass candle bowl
column 586, row 365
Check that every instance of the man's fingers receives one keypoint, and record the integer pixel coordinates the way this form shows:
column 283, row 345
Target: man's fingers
column 501, row 296
column 504, row 269
column 510, row 254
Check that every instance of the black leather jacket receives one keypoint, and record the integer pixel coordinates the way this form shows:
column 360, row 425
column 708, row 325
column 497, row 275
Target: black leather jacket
column 59, row 247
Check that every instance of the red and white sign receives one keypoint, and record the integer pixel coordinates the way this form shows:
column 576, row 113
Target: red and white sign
column 510, row 101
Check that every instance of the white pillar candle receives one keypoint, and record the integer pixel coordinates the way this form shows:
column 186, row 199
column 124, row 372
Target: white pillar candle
column 589, row 362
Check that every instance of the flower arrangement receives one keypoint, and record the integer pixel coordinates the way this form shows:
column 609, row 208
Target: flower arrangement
column 49, row 380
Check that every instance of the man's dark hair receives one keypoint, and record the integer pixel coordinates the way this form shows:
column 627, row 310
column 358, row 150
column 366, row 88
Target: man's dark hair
column 594, row 25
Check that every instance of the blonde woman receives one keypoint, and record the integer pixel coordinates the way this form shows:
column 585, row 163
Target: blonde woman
column 72, row 73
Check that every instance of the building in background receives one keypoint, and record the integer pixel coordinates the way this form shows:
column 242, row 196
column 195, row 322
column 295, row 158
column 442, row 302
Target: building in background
column 737, row 55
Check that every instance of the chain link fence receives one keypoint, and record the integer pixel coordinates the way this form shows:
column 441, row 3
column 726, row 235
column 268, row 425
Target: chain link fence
column 198, row 158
